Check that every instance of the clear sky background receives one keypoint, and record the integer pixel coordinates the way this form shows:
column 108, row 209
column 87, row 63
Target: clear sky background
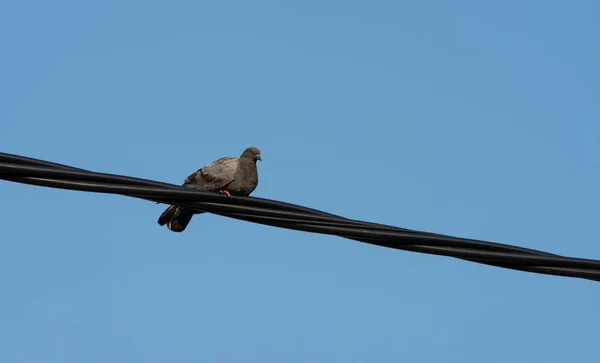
column 470, row 118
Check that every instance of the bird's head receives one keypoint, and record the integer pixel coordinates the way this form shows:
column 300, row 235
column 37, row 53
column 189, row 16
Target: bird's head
column 252, row 153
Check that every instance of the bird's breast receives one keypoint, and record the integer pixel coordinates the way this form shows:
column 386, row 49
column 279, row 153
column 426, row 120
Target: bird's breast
column 245, row 180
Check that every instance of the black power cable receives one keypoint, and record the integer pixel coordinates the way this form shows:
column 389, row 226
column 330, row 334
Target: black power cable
column 274, row 213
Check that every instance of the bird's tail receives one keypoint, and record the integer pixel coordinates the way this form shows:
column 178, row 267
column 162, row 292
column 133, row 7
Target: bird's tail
column 176, row 218
column 167, row 215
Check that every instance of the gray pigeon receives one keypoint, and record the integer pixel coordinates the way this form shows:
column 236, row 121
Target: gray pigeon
column 228, row 175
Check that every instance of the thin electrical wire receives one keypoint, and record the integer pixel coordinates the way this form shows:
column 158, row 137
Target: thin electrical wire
column 31, row 171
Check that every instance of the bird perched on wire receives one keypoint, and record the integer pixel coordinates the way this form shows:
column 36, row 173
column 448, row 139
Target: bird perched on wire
column 228, row 175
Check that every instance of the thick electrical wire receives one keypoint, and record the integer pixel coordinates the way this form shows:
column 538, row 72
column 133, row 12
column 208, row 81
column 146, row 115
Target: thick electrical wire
column 26, row 170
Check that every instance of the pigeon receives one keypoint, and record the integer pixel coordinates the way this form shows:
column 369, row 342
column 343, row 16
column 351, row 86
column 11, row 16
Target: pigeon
column 228, row 175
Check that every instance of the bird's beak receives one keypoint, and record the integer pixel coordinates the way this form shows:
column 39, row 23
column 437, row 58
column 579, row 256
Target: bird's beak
column 258, row 157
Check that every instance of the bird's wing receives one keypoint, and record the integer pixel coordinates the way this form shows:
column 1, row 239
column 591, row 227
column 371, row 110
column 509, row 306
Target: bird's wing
column 214, row 176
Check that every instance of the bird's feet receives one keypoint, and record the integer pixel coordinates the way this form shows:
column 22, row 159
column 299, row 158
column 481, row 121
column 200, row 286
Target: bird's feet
column 225, row 192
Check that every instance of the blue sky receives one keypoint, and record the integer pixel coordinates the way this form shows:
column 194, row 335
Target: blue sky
column 474, row 119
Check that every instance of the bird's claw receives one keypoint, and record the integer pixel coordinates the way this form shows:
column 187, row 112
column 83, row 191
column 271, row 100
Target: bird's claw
column 225, row 192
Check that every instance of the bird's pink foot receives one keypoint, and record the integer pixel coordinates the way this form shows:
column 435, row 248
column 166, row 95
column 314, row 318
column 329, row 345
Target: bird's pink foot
column 225, row 192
